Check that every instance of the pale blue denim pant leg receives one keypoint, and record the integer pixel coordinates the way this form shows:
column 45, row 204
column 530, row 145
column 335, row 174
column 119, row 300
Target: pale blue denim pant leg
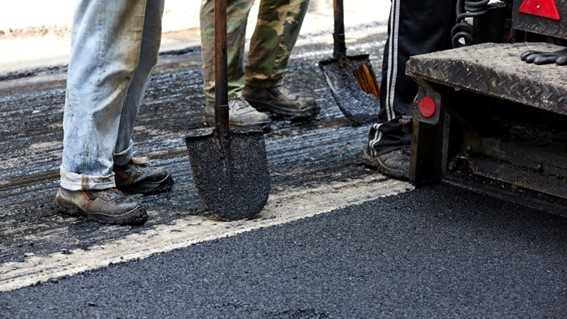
column 114, row 46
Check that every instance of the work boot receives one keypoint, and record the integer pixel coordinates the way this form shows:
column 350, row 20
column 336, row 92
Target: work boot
column 240, row 114
column 108, row 206
column 393, row 164
column 137, row 177
column 281, row 103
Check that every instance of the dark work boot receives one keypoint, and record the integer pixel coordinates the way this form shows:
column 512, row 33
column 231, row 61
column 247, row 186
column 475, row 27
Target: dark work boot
column 281, row 103
column 109, row 206
column 393, row 164
column 240, row 114
column 137, row 177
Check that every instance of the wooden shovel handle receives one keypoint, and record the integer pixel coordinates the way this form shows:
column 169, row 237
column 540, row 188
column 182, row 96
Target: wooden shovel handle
column 221, row 82
column 339, row 45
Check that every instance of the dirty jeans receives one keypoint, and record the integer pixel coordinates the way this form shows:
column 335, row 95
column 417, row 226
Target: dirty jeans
column 275, row 35
column 114, row 47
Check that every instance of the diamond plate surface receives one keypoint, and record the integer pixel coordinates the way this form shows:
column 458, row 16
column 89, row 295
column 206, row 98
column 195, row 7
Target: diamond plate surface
column 497, row 70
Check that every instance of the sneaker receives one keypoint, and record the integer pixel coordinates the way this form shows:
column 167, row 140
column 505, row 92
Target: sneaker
column 109, row 206
column 281, row 103
column 240, row 114
column 393, row 164
column 137, row 177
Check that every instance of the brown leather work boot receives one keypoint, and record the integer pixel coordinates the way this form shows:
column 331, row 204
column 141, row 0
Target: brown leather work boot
column 108, row 206
column 136, row 177
column 281, row 103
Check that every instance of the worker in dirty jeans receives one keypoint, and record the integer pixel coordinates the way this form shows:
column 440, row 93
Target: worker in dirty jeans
column 114, row 47
column 415, row 27
column 257, row 87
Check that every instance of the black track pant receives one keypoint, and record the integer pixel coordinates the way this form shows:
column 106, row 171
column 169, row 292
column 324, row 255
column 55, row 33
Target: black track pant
column 415, row 27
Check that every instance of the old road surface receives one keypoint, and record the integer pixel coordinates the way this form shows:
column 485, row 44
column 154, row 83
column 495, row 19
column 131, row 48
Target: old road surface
column 336, row 239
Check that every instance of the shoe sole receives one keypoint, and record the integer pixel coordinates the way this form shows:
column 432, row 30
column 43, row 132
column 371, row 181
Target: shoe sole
column 278, row 113
column 375, row 163
column 136, row 216
column 210, row 120
column 150, row 188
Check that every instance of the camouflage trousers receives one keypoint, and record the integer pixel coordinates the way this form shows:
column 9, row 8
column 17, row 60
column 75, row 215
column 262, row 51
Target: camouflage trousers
column 275, row 34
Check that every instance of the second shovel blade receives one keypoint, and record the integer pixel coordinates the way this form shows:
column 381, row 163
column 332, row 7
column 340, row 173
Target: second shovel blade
column 357, row 105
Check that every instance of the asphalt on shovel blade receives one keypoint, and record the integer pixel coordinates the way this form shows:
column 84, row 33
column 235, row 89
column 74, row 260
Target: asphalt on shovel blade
column 230, row 173
column 357, row 105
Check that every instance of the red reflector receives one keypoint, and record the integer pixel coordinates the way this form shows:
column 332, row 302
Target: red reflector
column 427, row 107
column 541, row 8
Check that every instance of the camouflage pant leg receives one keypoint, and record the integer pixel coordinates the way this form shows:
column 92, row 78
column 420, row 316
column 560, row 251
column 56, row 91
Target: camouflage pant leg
column 277, row 29
column 237, row 16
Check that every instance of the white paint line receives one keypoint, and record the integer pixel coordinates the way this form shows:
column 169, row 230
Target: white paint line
column 294, row 204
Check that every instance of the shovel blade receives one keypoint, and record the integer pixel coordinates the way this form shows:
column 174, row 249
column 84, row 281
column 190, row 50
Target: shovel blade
column 357, row 105
column 230, row 172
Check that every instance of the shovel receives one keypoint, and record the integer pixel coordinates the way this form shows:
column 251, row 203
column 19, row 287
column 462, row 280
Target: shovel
column 229, row 167
column 351, row 78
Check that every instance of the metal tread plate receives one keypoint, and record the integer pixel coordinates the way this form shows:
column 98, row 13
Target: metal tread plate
column 496, row 70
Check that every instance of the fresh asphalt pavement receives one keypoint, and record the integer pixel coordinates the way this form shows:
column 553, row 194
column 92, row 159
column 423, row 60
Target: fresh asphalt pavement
column 435, row 252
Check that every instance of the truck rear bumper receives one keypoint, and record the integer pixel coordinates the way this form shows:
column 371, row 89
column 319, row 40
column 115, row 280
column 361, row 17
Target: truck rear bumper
column 494, row 115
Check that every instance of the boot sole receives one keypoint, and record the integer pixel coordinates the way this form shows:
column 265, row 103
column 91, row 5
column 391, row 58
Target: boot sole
column 277, row 112
column 210, row 120
column 136, row 216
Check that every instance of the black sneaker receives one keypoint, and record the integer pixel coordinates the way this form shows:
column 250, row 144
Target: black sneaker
column 281, row 103
column 393, row 164
column 240, row 114
column 109, row 206
column 139, row 178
